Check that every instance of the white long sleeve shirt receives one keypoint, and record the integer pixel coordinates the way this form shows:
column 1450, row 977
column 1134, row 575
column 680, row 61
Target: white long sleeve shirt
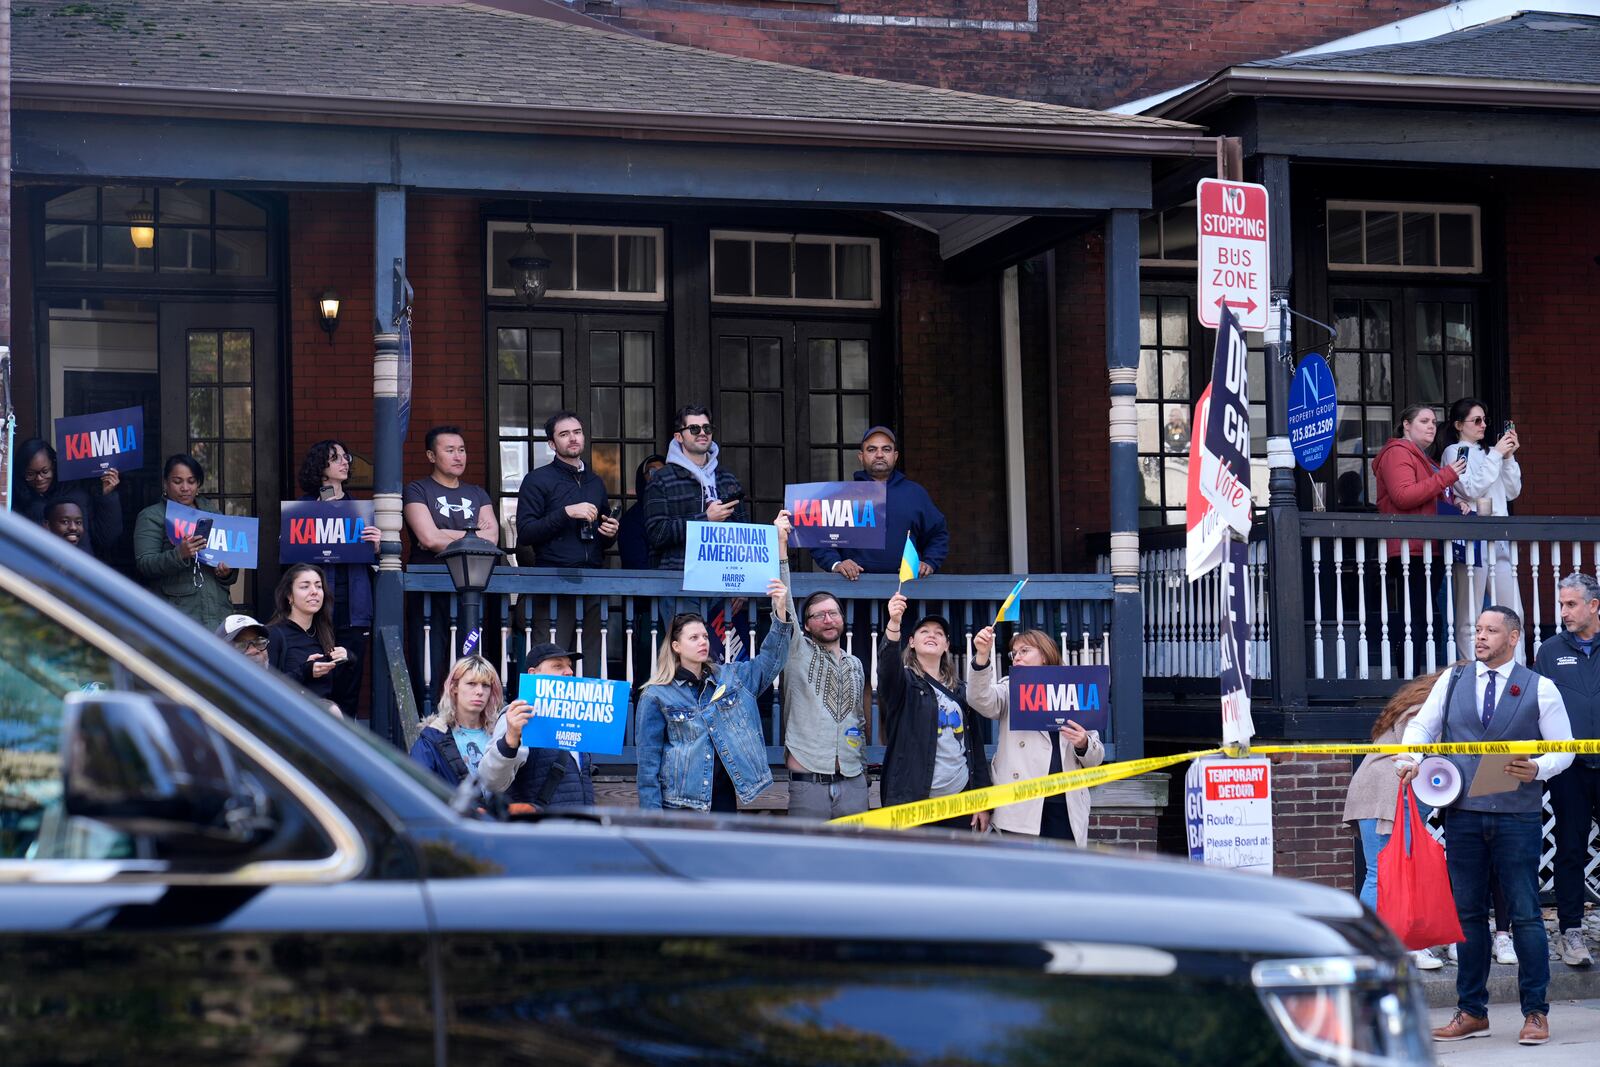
column 1488, row 474
column 1428, row 724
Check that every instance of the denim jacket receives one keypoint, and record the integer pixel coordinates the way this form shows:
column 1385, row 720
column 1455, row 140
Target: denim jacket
column 677, row 731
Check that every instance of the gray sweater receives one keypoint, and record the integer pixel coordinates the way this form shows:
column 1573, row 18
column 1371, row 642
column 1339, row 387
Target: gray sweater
column 823, row 700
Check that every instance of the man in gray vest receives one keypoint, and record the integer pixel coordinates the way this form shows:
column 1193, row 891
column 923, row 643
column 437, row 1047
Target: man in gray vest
column 1496, row 699
column 824, row 707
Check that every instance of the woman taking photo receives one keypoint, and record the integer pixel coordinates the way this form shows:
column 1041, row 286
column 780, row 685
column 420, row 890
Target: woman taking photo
column 1023, row 754
column 300, row 633
column 36, row 488
column 700, row 742
column 931, row 744
column 1410, row 483
column 323, row 474
column 453, row 742
column 174, row 571
column 1481, row 573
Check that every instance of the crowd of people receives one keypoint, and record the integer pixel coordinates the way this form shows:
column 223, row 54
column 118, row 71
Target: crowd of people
column 1494, row 837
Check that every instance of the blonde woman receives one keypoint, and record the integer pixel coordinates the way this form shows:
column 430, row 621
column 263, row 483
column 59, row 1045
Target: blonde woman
column 700, row 741
column 455, row 739
column 1023, row 754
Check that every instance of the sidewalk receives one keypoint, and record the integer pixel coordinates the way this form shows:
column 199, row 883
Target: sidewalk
column 1574, row 1037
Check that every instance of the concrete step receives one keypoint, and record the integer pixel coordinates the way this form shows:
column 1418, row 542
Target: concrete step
column 1566, row 983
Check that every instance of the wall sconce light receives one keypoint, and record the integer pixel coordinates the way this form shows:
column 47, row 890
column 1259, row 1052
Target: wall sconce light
column 529, row 268
column 328, row 312
column 142, row 224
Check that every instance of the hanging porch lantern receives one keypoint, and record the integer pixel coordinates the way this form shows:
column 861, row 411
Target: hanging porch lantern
column 530, row 268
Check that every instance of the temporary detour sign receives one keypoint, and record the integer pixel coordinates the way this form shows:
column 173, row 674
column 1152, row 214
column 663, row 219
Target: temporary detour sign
column 89, row 445
column 1228, row 806
column 1044, row 698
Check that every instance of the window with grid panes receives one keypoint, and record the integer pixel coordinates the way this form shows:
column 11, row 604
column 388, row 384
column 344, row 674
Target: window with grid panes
column 220, row 406
column 749, row 417
column 530, row 371
column 1175, row 355
column 622, row 406
column 840, row 404
column 197, row 232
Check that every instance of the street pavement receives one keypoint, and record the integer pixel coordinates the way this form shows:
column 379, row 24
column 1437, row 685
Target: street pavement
column 1574, row 1038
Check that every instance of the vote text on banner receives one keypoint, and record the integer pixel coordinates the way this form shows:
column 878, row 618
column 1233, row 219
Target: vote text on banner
column 1225, row 448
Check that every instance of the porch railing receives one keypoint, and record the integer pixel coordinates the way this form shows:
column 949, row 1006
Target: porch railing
column 1075, row 609
column 1367, row 617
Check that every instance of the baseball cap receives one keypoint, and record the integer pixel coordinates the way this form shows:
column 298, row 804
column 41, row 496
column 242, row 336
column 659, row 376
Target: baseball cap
column 893, row 440
column 938, row 620
column 548, row 650
column 233, row 624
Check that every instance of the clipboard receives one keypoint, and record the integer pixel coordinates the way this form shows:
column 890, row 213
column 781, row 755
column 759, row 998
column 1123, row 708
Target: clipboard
column 1491, row 776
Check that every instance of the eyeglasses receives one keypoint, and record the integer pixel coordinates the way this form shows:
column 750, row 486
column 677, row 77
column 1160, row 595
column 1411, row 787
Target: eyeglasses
column 258, row 644
column 829, row 614
column 699, row 429
column 35, row 476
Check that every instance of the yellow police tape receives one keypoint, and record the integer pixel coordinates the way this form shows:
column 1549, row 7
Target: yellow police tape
column 922, row 812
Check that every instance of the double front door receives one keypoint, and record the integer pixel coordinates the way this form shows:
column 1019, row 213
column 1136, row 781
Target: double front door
column 206, row 375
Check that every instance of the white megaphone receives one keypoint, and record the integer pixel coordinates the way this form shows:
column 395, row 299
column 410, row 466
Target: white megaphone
column 1438, row 782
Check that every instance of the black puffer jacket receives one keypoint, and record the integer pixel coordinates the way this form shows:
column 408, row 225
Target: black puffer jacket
column 911, row 730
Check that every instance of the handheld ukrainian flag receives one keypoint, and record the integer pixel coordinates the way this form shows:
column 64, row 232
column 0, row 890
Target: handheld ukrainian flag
column 910, row 563
column 1011, row 607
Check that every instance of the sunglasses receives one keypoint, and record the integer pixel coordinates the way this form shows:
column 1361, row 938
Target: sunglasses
column 1477, row 421
column 259, row 644
column 699, row 429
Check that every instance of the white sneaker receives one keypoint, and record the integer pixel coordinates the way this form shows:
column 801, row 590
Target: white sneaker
column 1504, row 951
column 1451, row 952
column 1425, row 960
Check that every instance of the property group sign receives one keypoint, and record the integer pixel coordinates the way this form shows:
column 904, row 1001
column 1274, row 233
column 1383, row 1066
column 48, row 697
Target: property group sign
column 1232, row 225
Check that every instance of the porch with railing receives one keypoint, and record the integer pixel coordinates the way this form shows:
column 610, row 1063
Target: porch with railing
column 1075, row 609
column 1355, row 632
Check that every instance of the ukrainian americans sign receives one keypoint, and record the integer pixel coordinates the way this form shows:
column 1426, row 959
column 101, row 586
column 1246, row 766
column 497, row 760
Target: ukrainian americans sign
column 575, row 714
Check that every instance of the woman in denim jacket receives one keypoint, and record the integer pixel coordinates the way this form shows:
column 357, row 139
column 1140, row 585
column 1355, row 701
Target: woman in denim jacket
column 699, row 731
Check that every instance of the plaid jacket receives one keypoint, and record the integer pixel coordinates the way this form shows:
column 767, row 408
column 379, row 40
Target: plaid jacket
column 674, row 498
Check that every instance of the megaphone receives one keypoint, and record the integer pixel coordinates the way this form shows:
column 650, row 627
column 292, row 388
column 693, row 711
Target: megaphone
column 1438, row 782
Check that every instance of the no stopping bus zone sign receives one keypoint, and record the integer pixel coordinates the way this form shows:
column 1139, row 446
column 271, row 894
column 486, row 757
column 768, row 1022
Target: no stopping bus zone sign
column 1232, row 224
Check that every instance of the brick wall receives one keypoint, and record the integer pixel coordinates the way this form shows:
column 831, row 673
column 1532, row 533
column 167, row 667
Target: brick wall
column 952, row 438
column 1552, row 287
column 1310, row 840
column 1124, row 830
column 1084, row 54
column 330, row 247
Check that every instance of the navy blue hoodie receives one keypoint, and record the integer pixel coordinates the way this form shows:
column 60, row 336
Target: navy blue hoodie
column 909, row 509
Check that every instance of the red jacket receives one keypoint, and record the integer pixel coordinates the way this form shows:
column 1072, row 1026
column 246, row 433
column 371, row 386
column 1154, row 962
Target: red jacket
column 1409, row 484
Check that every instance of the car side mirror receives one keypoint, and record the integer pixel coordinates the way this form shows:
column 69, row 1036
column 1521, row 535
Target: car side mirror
column 155, row 769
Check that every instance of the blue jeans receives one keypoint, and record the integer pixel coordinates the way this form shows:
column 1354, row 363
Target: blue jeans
column 1478, row 846
column 1372, row 843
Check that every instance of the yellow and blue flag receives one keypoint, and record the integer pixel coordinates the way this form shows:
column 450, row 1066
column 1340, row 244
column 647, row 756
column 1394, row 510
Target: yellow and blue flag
column 1011, row 607
column 910, row 562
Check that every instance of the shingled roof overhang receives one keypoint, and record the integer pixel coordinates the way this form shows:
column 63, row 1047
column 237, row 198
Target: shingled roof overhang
column 1367, row 87
column 30, row 94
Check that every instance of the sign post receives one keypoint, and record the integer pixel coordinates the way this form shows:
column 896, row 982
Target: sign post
column 1232, row 226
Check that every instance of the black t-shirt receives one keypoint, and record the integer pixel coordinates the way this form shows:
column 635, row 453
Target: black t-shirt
column 452, row 509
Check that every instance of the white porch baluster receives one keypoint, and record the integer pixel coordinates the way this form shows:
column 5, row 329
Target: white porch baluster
column 1341, row 667
column 1534, row 621
column 1427, row 614
column 1316, row 602
column 1362, row 651
column 1383, row 609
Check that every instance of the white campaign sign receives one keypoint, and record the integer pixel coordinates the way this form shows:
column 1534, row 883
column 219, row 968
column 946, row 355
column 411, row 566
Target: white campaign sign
column 1236, row 813
column 1232, row 225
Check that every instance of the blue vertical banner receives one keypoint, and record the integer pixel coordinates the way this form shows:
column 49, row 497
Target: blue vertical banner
column 89, row 445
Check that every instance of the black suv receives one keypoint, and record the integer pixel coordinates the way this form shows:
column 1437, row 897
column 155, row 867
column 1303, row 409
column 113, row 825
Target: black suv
column 198, row 865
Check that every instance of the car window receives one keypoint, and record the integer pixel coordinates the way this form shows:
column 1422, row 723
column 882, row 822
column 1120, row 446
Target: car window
column 40, row 663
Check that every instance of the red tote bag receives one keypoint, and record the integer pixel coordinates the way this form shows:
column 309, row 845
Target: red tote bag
column 1414, row 896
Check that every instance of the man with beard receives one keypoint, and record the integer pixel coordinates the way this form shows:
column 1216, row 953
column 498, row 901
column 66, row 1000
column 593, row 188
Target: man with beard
column 824, row 707
column 564, row 520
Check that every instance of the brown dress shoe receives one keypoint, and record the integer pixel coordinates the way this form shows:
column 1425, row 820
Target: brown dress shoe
column 1535, row 1029
column 1462, row 1026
